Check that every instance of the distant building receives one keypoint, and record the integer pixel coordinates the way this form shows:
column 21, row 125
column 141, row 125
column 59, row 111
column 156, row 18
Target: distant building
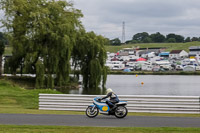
column 164, row 54
column 177, row 54
column 194, row 51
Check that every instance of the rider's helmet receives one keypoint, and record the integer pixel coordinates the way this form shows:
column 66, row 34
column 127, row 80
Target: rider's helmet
column 108, row 90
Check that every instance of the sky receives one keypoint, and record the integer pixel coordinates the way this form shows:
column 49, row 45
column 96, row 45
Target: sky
column 105, row 17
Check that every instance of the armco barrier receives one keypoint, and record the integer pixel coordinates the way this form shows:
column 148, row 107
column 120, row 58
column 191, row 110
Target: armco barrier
column 136, row 103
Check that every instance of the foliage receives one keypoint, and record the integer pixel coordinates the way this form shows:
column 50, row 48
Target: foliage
column 177, row 38
column 147, row 40
column 40, row 74
column 107, row 41
column 45, row 33
column 171, row 40
column 140, row 37
column 144, row 37
column 3, row 38
column 2, row 48
column 157, row 37
column 3, row 42
column 188, row 39
column 195, row 39
column 42, row 29
column 90, row 55
column 115, row 42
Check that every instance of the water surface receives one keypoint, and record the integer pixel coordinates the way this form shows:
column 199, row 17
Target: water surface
column 180, row 85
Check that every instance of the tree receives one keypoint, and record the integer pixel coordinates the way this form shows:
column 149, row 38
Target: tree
column 3, row 38
column 90, row 54
column 115, row 42
column 2, row 47
column 179, row 38
column 3, row 42
column 140, row 37
column 171, row 40
column 188, row 39
column 128, row 42
column 171, row 35
column 147, row 40
column 107, row 41
column 157, row 37
column 42, row 30
column 194, row 39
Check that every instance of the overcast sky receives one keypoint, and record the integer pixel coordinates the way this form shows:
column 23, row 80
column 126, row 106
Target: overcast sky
column 105, row 17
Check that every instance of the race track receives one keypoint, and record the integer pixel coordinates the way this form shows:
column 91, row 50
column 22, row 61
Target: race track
column 108, row 121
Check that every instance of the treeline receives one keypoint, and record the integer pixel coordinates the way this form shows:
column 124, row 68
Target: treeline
column 145, row 37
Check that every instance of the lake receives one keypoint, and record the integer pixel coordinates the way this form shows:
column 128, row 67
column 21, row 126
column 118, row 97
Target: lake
column 180, row 85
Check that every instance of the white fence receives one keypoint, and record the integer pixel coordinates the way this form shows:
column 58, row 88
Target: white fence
column 136, row 103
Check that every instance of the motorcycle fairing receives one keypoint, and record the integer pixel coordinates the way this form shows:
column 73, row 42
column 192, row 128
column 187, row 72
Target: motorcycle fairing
column 102, row 106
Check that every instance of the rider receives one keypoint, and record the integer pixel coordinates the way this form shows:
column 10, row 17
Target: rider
column 113, row 98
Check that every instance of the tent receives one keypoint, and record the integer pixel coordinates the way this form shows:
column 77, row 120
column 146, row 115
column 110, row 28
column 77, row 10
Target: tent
column 141, row 59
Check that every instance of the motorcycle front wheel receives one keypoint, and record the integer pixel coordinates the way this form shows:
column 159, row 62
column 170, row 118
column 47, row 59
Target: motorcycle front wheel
column 90, row 112
column 121, row 112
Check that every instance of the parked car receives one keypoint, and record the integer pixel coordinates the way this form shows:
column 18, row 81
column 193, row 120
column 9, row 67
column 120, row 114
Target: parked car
column 179, row 67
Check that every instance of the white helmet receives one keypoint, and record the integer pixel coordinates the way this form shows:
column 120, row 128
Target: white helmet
column 109, row 90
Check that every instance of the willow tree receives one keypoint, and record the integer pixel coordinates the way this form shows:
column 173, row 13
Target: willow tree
column 43, row 36
column 2, row 47
column 90, row 55
column 3, row 42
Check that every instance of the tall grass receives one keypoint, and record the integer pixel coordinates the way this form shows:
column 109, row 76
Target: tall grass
column 13, row 96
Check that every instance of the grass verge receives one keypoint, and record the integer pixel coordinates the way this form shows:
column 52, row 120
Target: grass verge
column 68, row 129
column 12, row 96
column 168, row 46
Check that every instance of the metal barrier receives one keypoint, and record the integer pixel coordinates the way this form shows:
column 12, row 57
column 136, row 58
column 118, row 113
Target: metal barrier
column 136, row 103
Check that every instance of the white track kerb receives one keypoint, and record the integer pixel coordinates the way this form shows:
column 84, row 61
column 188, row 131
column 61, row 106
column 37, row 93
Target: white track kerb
column 136, row 103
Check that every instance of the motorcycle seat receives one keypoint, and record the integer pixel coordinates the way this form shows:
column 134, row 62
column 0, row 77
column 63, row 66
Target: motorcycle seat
column 121, row 103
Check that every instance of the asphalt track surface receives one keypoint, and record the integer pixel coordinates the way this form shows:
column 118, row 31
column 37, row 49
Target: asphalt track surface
column 99, row 121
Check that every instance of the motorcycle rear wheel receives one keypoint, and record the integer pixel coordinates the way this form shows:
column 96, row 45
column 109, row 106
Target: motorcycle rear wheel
column 121, row 112
column 92, row 113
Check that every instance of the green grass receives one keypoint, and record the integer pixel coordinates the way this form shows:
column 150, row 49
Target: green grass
column 68, row 129
column 169, row 46
column 13, row 96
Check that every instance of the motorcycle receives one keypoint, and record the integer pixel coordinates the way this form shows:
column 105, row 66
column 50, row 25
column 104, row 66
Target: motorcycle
column 100, row 106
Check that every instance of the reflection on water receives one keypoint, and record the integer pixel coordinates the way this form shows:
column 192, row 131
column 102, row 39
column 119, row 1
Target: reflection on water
column 97, row 91
column 153, row 85
column 80, row 90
